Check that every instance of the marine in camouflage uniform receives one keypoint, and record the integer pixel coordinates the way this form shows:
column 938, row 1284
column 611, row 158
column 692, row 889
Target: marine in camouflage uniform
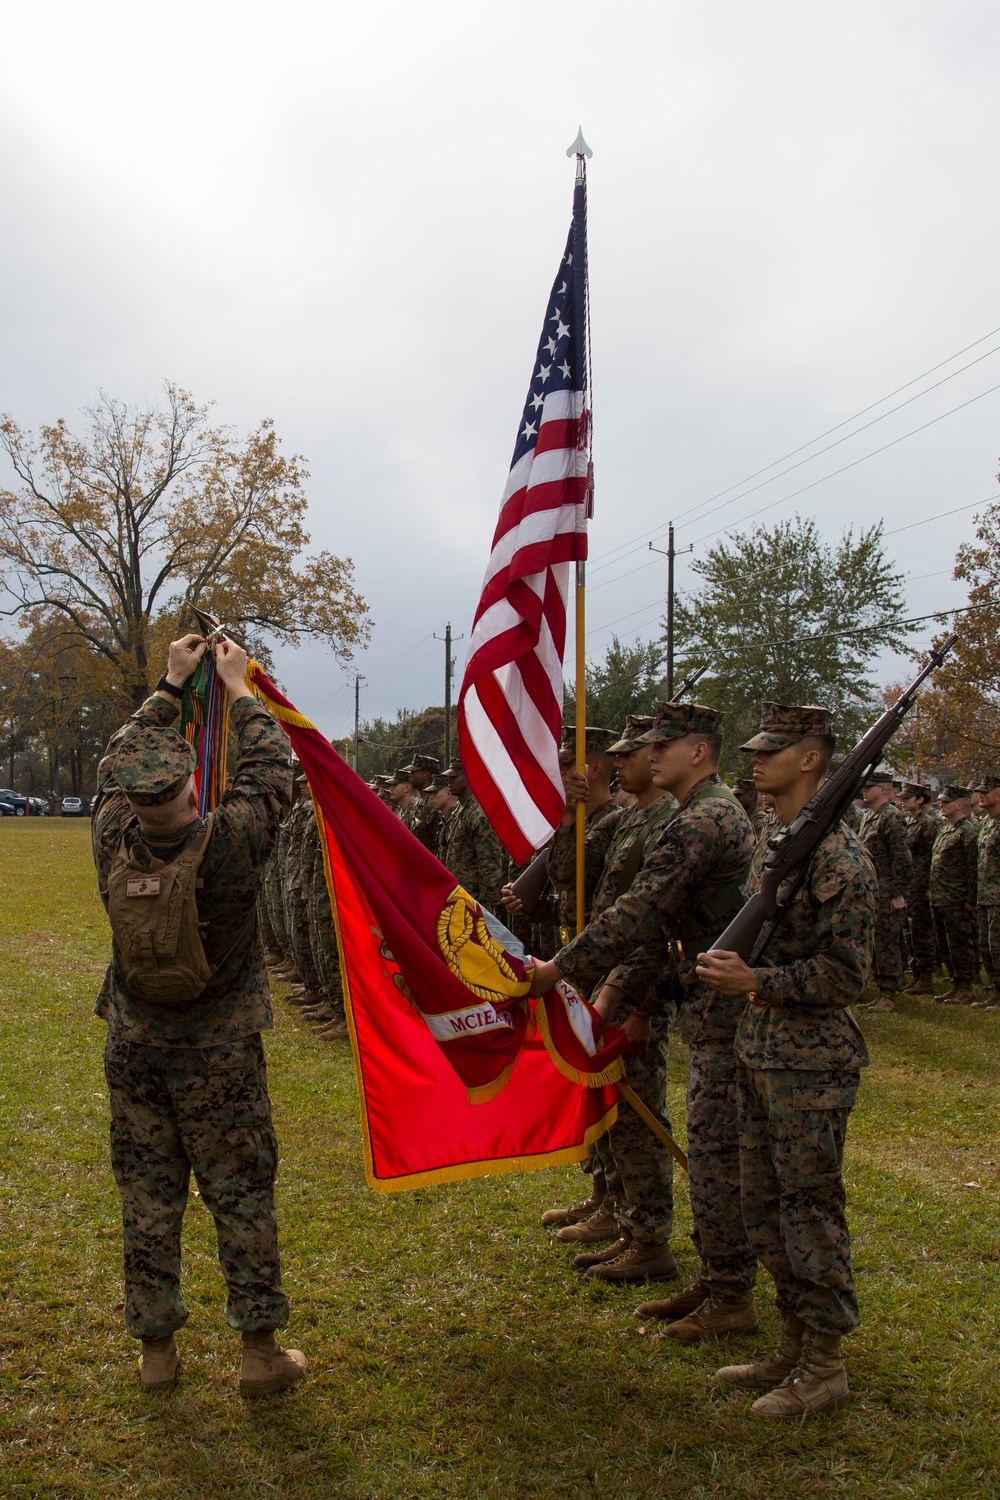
column 883, row 834
column 632, row 1169
column 187, row 1083
column 953, row 880
column 988, row 880
column 274, row 873
column 471, row 850
column 324, row 944
column 745, row 789
column 800, row 1053
column 421, row 817
column 686, row 890
column 922, row 827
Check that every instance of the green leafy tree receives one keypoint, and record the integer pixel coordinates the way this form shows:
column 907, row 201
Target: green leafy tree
column 628, row 680
column 784, row 615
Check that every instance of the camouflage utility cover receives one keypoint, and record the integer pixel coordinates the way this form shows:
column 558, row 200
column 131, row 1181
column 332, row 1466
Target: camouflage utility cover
column 148, row 762
column 782, row 724
column 675, row 720
column 636, row 725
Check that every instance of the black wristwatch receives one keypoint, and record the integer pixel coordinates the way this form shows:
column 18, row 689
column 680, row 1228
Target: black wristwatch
column 163, row 686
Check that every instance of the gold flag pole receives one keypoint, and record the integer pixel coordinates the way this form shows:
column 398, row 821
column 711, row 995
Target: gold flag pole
column 581, row 334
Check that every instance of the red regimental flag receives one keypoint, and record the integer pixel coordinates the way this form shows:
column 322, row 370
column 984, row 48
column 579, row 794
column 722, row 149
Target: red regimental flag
column 459, row 1073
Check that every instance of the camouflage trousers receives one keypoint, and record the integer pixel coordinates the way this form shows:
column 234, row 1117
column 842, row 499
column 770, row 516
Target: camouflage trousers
column 264, row 920
column 792, row 1129
column 323, row 938
column 729, row 1261
column 958, row 942
column 299, row 937
column 920, row 921
column 887, row 964
column 275, row 905
column 206, row 1109
column 988, row 948
column 638, row 1168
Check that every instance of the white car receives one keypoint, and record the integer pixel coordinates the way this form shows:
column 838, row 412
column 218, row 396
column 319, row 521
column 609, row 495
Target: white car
column 71, row 807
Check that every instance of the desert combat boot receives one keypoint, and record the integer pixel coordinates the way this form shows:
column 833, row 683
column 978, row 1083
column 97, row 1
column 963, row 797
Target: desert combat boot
column 642, row 1261
column 265, row 1367
column 599, row 1226
column 773, row 1368
column 557, row 1218
column 677, row 1306
column 719, row 1317
column 817, row 1384
column 159, row 1364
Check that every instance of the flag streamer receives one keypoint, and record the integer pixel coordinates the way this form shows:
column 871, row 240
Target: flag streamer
column 205, row 725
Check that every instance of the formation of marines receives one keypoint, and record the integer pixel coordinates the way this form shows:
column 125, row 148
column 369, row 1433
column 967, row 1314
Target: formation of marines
column 775, row 1052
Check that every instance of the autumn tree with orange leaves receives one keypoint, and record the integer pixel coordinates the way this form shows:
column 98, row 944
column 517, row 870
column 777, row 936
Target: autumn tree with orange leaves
column 109, row 531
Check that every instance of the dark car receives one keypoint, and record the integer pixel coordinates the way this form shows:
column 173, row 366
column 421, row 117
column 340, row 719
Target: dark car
column 6, row 808
column 19, row 803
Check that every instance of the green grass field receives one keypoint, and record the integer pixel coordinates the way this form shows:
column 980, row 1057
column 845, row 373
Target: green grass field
column 453, row 1351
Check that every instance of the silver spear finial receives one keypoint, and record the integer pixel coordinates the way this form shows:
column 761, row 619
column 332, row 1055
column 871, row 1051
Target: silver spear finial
column 579, row 146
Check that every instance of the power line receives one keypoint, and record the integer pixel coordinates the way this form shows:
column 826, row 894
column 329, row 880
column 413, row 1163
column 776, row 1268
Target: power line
column 852, row 465
column 607, row 558
column 893, row 625
column 990, row 500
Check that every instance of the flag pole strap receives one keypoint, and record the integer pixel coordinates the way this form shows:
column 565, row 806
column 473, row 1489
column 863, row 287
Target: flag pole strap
column 648, row 1118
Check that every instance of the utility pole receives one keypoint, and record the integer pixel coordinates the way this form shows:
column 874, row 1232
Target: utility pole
column 670, row 554
column 449, row 672
column 358, row 680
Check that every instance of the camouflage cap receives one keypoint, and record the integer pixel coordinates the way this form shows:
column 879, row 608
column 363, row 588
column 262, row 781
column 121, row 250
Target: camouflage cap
column 151, row 764
column 879, row 778
column 399, row 775
column 988, row 783
column 744, row 784
column 917, row 789
column 439, row 783
column 597, row 742
column 782, row 724
column 954, row 793
column 424, row 763
column 455, row 769
column 636, row 725
column 675, row 720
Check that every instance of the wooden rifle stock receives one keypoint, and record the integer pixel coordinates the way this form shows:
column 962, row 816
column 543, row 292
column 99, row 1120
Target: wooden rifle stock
column 790, row 851
column 530, row 883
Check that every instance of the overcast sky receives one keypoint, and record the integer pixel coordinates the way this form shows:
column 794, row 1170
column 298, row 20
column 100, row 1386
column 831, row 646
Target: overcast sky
column 348, row 219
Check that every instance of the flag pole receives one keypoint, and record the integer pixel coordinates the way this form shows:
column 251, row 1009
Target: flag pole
column 581, row 151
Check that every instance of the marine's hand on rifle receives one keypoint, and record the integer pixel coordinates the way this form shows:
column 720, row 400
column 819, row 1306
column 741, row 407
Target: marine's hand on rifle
column 231, row 665
column 182, row 658
column 725, row 972
column 898, row 903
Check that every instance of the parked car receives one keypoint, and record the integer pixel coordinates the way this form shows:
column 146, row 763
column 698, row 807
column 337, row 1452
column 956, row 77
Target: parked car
column 39, row 807
column 6, row 808
column 19, row 803
column 72, row 807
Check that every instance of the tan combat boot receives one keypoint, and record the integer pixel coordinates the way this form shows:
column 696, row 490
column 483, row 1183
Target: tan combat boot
column 159, row 1364
column 717, row 1318
column 598, row 1226
column 772, row 1369
column 266, row 1367
column 817, row 1384
column 962, row 994
column 642, row 1261
column 598, row 1257
column 993, row 1000
column 920, row 984
column 677, row 1306
column 336, row 1031
column 559, row 1217
column 272, row 959
column 886, row 1001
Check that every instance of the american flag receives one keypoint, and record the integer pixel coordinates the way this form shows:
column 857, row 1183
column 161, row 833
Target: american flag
column 511, row 701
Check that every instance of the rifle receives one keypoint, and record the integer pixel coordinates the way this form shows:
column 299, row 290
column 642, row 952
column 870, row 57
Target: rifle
column 530, row 883
column 750, row 931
